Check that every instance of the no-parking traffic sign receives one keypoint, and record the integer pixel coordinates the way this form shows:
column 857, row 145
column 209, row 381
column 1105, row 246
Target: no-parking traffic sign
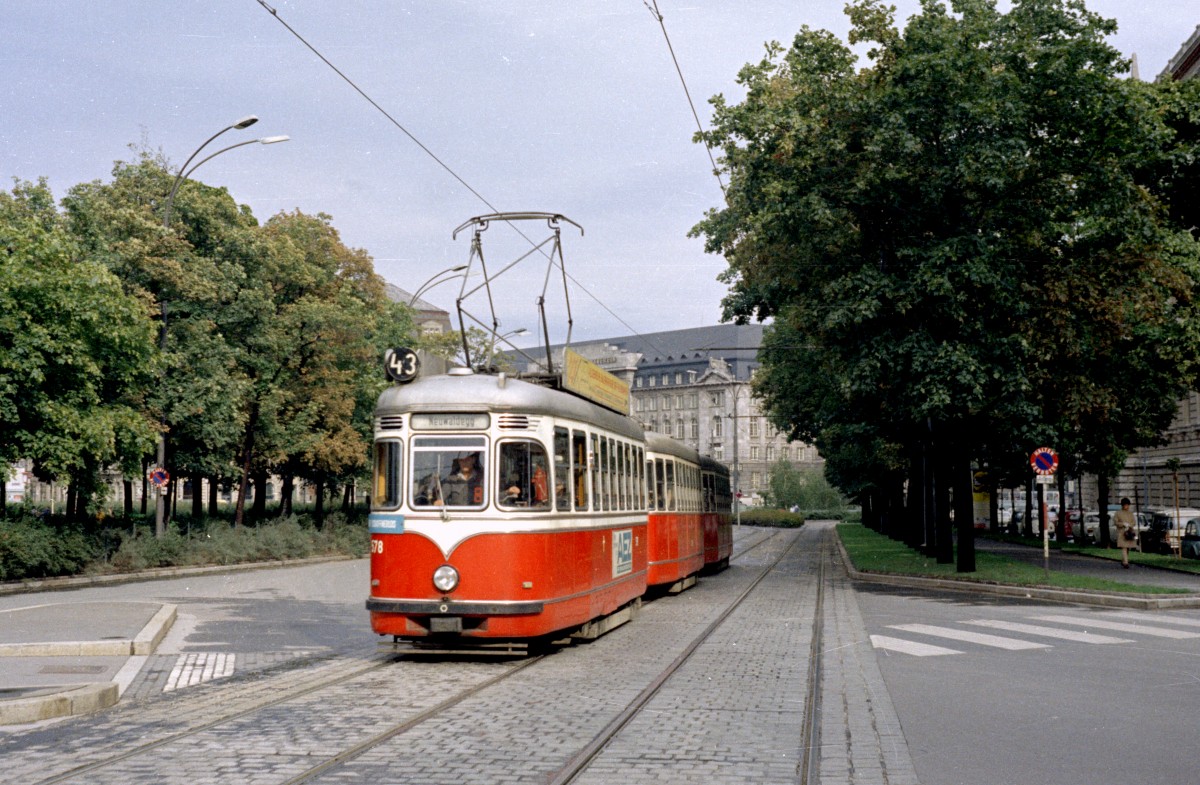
column 1044, row 460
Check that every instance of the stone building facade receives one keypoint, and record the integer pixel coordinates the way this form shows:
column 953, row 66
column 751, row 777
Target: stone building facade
column 694, row 386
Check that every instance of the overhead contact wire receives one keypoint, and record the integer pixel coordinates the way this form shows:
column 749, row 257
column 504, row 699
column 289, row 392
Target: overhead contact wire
column 432, row 155
column 691, row 104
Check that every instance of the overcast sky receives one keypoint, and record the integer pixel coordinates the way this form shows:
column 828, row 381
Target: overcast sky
column 542, row 105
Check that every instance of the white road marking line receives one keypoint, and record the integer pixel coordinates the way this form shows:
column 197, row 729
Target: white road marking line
column 909, row 647
column 1049, row 632
column 1011, row 644
column 1163, row 617
column 195, row 668
column 1102, row 624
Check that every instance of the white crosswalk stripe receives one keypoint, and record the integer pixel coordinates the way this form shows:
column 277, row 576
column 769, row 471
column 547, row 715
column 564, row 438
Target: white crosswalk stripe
column 1048, row 632
column 910, row 647
column 1103, row 624
column 1011, row 644
column 1154, row 617
column 198, row 667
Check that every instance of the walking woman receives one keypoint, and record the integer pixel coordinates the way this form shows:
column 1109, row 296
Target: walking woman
column 1126, row 531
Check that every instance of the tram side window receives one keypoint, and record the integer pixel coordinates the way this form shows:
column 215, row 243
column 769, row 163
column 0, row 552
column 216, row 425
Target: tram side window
column 605, row 476
column 579, row 464
column 626, row 451
column 524, row 477
column 597, row 492
column 619, row 473
column 562, row 469
column 650, row 484
column 639, row 464
column 672, row 491
column 387, row 475
column 660, row 485
column 449, row 471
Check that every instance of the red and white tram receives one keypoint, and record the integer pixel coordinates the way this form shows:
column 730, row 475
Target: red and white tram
column 506, row 510
column 502, row 509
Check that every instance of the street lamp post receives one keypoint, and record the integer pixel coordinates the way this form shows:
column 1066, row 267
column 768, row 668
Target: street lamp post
column 184, row 173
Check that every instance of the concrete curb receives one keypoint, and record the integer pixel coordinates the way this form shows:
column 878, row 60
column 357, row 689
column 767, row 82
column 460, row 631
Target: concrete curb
column 145, row 642
column 1139, row 602
column 75, row 700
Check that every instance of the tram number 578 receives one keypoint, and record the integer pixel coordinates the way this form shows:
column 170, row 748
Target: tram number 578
column 376, row 546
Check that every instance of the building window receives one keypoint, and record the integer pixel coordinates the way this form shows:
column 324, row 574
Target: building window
column 666, row 379
column 719, row 453
column 718, row 427
column 755, row 453
column 693, row 401
column 679, row 428
column 653, row 379
column 770, row 452
column 753, row 427
column 695, row 428
column 678, row 377
column 638, row 381
column 718, row 399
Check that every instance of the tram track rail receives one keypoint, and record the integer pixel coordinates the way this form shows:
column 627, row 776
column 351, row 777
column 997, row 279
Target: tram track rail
column 381, row 660
column 569, row 772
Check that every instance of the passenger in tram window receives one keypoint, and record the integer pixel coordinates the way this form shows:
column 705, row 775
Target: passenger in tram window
column 464, row 486
column 526, row 481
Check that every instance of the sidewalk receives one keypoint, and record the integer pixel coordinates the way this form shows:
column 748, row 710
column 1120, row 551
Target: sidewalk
column 72, row 658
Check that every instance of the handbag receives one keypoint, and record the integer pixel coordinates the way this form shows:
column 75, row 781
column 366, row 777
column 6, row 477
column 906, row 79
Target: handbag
column 1128, row 535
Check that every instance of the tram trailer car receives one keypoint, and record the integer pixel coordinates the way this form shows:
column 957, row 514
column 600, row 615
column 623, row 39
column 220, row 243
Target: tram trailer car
column 507, row 511
column 686, row 532
column 718, row 514
column 502, row 510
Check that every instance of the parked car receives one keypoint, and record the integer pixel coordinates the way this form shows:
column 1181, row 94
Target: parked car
column 1191, row 539
column 1088, row 530
column 1166, row 529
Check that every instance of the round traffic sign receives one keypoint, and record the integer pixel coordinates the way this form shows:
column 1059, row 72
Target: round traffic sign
column 1044, row 460
column 159, row 477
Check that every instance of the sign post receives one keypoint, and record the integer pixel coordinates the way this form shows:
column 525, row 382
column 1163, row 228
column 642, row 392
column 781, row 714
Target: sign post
column 1044, row 462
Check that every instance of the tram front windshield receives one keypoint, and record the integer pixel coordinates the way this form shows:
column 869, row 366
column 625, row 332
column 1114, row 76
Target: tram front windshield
column 449, row 471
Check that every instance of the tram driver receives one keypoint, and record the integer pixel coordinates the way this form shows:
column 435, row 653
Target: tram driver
column 464, row 485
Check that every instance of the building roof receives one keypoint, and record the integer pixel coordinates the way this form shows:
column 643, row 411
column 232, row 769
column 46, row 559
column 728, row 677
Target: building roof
column 1186, row 62
column 689, row 349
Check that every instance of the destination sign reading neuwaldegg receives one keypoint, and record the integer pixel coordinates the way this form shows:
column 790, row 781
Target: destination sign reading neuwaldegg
column 449, row 422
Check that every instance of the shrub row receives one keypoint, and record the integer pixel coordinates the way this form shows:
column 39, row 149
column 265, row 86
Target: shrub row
column 781, row 519
column 31, row 547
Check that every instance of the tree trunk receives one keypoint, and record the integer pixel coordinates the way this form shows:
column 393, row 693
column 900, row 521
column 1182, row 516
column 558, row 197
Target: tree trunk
column 260, row 496
column 1102, row 503
column 71, row 494
column 247, row 453
column 145, row 483
column 286, row 492
column 127, row 488
column 212, row 496
column 197, row 496
column 964, row 513
column 943, row 474
column 348, row 497
column 319, row 513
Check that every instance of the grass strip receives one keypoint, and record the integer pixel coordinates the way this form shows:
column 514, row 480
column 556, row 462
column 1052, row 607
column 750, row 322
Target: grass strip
column 873, row 552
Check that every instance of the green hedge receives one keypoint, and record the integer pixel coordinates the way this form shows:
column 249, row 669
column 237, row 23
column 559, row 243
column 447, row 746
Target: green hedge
column 781, row 519
column 32, row 547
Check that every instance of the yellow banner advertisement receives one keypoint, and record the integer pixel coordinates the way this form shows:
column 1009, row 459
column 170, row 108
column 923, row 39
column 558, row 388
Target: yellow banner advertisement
column 583, row 377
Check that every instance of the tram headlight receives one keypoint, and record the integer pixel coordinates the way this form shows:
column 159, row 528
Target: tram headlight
column 445, row 578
